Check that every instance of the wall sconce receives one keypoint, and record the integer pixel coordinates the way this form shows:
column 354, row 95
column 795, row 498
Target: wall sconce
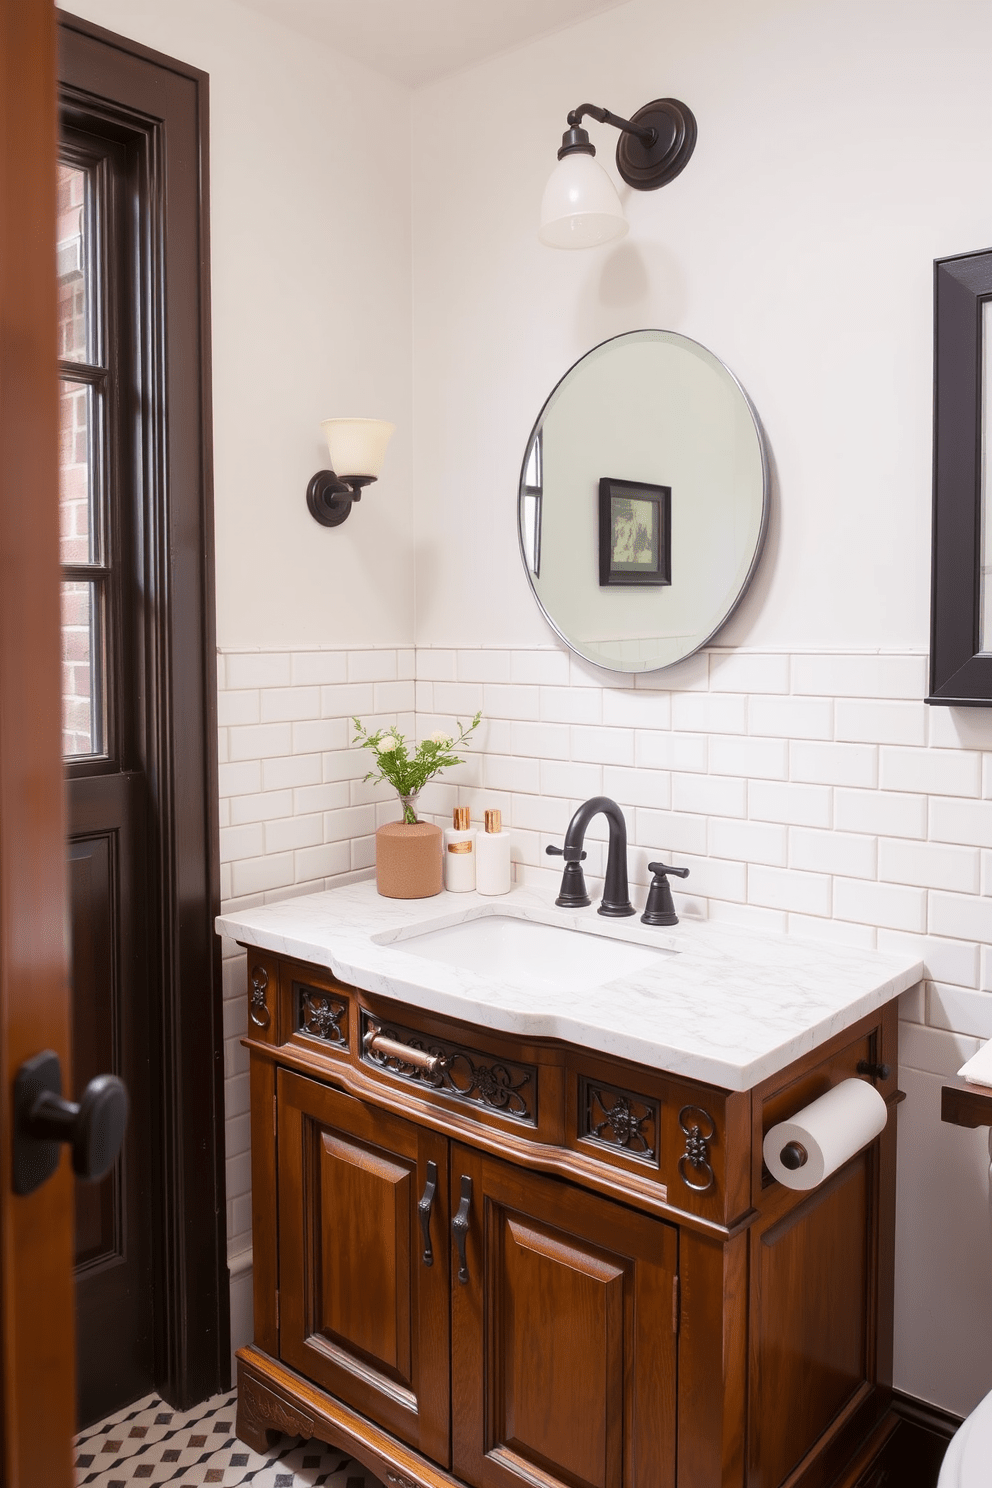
column 581, row 207
column 356, row 448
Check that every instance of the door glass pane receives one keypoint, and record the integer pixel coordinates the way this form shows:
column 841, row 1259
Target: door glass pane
column 78, row 511
column 83, row 724
column 72, row 251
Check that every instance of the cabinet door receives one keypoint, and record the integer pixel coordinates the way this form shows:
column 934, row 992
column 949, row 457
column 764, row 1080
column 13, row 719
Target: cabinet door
column 364, row 1304
column 563, row 1335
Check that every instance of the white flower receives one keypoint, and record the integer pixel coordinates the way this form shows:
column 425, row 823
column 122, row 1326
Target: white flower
column 440, row 738
column 386, row 746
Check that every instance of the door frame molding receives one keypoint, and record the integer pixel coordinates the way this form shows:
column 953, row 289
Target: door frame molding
column 153, row 95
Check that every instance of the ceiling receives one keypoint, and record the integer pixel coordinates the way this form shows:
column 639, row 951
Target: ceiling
column 418, row 41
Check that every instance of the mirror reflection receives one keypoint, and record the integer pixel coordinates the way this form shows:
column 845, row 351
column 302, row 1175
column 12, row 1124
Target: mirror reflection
column 643, row 501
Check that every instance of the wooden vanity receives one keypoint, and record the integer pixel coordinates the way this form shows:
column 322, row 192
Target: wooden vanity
column 482, row 1259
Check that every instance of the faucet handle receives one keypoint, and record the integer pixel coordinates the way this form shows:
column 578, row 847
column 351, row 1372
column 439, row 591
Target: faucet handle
column 572, row 894
column 660, row 908
column 559, row 852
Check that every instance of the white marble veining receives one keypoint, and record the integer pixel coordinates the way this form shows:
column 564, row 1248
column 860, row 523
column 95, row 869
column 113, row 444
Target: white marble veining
column 723, row 1005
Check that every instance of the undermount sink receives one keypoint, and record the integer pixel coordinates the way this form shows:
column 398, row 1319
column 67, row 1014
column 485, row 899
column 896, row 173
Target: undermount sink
column 531, row 954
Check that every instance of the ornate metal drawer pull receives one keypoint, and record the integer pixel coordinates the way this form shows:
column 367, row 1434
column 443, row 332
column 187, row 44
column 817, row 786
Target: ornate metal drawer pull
column 424, row 1210
column 699, row 1130
column 376, row 1042
column 459, row 1227
column 258, row 1010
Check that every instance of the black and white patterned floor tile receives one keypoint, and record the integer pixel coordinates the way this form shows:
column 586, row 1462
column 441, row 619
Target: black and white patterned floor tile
column 149, row 1445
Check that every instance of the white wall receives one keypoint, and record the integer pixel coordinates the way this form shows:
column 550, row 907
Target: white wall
column 310, row 229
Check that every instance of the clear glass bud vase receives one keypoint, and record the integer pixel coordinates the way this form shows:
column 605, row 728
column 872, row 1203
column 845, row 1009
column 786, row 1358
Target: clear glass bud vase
column 410, row 808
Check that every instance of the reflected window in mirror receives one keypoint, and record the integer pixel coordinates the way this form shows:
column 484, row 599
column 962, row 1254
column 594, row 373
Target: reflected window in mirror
column 531, row 490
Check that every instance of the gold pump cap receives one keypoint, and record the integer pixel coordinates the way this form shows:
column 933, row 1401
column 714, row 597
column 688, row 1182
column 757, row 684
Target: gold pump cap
column 494, row 821
column 461, row 818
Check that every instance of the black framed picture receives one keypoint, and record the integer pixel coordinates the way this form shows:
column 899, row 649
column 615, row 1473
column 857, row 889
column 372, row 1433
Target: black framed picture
column 635, row 532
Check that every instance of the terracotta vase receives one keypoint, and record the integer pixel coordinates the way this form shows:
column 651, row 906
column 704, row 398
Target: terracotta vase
column 408, row 857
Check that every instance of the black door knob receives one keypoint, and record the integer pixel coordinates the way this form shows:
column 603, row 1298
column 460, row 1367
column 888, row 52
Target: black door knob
column 43, row 1118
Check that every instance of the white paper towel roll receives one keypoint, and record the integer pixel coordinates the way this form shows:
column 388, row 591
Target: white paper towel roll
column 822, row 1136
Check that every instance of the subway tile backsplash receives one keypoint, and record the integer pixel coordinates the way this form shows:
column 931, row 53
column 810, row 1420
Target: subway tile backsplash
column 814, row 793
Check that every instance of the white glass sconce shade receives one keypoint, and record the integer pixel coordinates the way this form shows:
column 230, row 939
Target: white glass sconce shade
column 580, row 207
column 357, row 446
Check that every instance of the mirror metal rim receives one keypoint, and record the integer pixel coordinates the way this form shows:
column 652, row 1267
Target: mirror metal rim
column 696, row 346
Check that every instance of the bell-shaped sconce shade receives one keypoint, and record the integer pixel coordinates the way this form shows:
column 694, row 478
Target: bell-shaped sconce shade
column 580, row 207
column 357, row 446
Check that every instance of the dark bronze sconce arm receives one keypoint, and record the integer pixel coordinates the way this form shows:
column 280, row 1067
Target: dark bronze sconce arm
column 331, row 497
column 654, row 146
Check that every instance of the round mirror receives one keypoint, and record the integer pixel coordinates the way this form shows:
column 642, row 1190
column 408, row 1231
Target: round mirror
column 643, row 501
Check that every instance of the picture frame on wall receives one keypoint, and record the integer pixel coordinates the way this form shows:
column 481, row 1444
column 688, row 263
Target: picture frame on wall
column 635, row 533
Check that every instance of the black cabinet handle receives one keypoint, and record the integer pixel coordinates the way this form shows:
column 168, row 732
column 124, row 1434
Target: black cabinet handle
column 459, row 1227
column 424, row 1208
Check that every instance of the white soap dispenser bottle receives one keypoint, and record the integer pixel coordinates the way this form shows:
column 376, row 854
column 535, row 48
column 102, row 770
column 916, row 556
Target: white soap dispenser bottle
column 459, row 853
column 492, row 850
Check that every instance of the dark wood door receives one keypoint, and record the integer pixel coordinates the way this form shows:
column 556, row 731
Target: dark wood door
column 363, row 1301
column 37, row 1344
column 563, row 1336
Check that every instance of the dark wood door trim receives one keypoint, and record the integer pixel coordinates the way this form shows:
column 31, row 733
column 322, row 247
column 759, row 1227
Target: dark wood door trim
column 157, row 99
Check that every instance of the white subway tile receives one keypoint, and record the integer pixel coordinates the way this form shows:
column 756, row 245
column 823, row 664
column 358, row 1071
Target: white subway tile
column 260, row 741
column 748, row 916
column 658, row 750
column 832, row 852
column 939, row 772
column 711, row 713
column 505, row 772
column 986, row 873
column 738, row 671
column 713, row 878
column 638, row 787
column 322, row 862
column 258, row 669
column 483, row 666
column 459, row 699
column 934, row 1050
column 691, row 675
column 423, row 698
column 625, row 708
column 540, row 667
column 315, row 736
column 286, row 704
column 796, row 805
column 959, row 1010
column 540, row 814
column 568, row 704
column 362, row 853
column 351, row 821
column 235, row 1015
column 223, row 747
column 241, row 842
column 235, row 1059
column 221, row 671
column 967, row 822
column 766, row 759
column 834, row 764
column 438, row 798
column 225, row 882
column 329, row 796
column 960, row 728
column 748, row 841
column 944, row 960
column 666, row 832
column 253, row 875
column 860, row 676
column 987, row 775
column 237, row 1135
column 912, row 1004
column 372, row 666
column 436, row 665
column 237, row 1095
column 265, row 806
column 540, row 740
column 395, row 697
column 238, row 707
column 582, row 673
column 711, row 795
column 238, row 1175
column 346, row 700
column 500, row 700
column 832, row 932
column 605, row 746
column 293, row 769
column 880, row 722
column 985, row 970
column 239, row 779
column 882, row 812
column 494, row 736
column 791, row 718
column 233, row 975
column 786, row 888
column 223, row 812
column 315, row 668
column 406, row 664
column 889, row 905
column 298, row 831
column 570, row 779
column 929, row 865
column 962, row 916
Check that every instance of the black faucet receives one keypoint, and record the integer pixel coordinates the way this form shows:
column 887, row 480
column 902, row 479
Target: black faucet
column 616, row 898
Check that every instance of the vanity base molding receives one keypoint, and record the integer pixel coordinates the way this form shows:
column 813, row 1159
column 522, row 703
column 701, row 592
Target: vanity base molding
column 445, row 1245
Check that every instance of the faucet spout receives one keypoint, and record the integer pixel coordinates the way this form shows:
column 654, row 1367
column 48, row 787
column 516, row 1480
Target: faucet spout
column 616, row 896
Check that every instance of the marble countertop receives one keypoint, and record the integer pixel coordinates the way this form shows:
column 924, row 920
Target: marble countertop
column 718, row 1004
